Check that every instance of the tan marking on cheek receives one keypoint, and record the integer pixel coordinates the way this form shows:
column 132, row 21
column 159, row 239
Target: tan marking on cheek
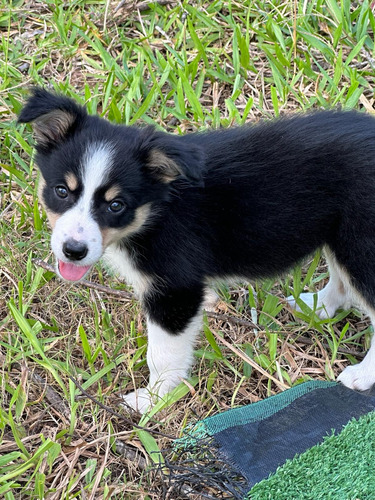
column 41, row 186
column 111, row 193
column 111, row 235
column 107, row 236
column 71, row 181
column 52, row 216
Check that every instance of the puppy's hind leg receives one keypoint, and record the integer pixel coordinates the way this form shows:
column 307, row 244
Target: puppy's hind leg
column 174, row 321
column 354, row 249
column 362, row 375
column 335, row 295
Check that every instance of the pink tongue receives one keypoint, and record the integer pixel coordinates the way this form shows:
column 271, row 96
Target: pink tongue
column 71, row 272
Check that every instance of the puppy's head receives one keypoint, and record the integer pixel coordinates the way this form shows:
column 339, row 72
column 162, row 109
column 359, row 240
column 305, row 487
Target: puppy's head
column 100, row 182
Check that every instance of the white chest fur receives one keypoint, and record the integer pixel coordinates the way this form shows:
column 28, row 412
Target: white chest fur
column 120, row 262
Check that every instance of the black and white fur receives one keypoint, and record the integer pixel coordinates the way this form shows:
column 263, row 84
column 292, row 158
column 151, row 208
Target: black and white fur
column 172, row 213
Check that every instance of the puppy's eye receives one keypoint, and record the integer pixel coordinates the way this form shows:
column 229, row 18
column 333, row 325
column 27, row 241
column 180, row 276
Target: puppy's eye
column 61, row 191
column 116, row 206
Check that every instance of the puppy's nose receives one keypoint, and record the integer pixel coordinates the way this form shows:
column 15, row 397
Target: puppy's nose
column 75, row 250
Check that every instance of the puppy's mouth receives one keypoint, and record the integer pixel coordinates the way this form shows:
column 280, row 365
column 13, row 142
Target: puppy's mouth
column 72, row 272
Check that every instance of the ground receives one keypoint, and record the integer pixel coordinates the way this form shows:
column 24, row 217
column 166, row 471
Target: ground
column 181, row 66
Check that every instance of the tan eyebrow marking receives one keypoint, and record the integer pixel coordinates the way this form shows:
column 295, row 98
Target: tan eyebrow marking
column 112, row 192
column 71, row 181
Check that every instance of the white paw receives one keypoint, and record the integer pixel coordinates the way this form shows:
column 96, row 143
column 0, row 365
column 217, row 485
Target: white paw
column 359, row 377
column 307, row 298
column 211, row 298
column 322, row 311
column 140, row 400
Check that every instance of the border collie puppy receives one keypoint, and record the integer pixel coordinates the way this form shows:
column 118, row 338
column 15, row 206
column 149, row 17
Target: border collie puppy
column 172, row 213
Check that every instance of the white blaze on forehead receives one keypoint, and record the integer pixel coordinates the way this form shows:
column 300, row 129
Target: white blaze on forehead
column 78, row 223
column 96, row 165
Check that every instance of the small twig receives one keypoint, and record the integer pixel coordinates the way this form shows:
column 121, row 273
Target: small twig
column 131, row 454
column 341, row 350
column 51, row 395
column 55, row 400
column 231, row 319
column 7, row 445
column 89, row 284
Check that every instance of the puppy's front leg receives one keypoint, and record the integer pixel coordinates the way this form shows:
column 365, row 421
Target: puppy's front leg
column 173, row 322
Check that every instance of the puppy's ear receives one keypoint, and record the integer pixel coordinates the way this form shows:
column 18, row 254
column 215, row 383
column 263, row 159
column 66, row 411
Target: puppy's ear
column 171, row 157
column 53, row 117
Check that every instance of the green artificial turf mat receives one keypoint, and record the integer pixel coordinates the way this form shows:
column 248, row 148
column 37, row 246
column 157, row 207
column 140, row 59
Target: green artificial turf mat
column 340, row 468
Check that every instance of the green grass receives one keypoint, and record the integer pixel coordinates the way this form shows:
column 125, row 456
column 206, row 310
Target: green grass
column 182, row 67
column 326, row 470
